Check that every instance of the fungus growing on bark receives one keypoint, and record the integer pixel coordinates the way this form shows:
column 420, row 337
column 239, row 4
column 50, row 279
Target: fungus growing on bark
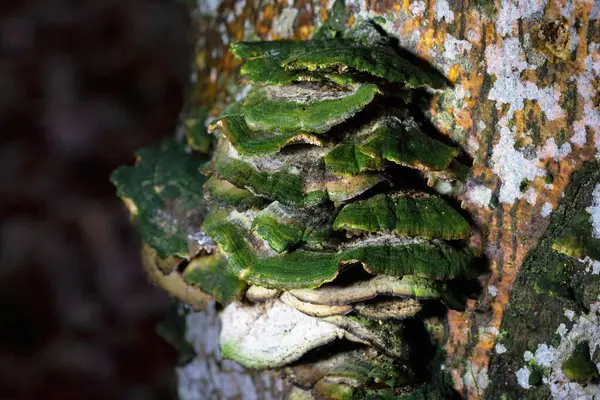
column 315, row 223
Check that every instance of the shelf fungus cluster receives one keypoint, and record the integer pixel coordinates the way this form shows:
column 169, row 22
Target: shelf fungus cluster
column 315, row 223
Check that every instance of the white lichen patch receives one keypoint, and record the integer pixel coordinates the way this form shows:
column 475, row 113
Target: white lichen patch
column 493, row 290
column 239, row 6
column 475, row 378
column 551, row 150
column 586, row 89
column 528, row 356
column 443, row 11
column 586, row 328
column 417, row 8
column 283, row 25
column 523, row 377
column 472, row 144
column 243, row 93
column 500, row 348
column 531, row 196
column 511, row 165
column 507, row 62
column 272, row 335
column 360, row 9
column 513, row 10
column 579, row 137
column 479, row 195
column 474, row 36
column 592, row 266
column 455, row 48
column 544, row 355
column 551, row 359
column 208, row 7
column 562, row 330
column 546, row 209
column 570, row 314
column 595, row 11
column 594, row 211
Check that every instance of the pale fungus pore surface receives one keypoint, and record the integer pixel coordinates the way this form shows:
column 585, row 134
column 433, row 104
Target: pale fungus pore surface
column 271, row 335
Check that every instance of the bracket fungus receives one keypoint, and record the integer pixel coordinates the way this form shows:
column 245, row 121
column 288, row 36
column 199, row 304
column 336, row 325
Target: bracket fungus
column 313, row 222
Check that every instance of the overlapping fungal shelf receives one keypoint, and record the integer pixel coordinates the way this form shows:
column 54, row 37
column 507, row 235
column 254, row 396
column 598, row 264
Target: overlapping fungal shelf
column 317, row 225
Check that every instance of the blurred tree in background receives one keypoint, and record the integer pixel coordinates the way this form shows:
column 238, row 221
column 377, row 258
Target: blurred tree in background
column 83, row 84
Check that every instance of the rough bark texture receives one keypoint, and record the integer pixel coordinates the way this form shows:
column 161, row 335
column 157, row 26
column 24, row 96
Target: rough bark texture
column 525, row 107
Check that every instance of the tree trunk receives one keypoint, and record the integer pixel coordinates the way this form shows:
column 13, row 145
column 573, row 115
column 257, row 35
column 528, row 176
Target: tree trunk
column 524, row 106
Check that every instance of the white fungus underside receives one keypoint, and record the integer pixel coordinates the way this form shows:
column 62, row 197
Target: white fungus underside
column 271, row 335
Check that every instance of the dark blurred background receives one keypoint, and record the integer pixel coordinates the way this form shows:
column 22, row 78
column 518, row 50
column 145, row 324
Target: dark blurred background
column 83, row 84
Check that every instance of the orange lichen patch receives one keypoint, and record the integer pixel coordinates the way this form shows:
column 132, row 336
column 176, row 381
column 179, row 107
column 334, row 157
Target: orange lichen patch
column 438, row 38
column 454, row 72
column 323, row 10
column 463, row 119
column 472, row 82
column 304, row 32
column 405, row 5
column 523, row 136
column 351, row 20
column 264, row 24
column 409, row 27
column 426, row 41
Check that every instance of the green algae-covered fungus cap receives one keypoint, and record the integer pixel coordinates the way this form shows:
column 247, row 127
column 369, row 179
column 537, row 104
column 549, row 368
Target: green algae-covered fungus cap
column 163, row 192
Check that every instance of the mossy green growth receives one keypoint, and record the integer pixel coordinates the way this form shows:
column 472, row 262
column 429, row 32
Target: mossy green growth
column 284, row 186
column 348, row 159
column 305, row 268
column 577, row 240
column 220, row 193
column 283, row 227
column 163, row 192
column 297, row 269
column 296, row 178
column 389, row 338
column 405, row 144
column 334, row 390
column 339, row 54
column 579, row 367
column 335, row 24
column 536, row 375
column 270, row 72
column 212, row 275
column 305, row 107
column 428, row 259
column 267, row 71
column 196, row 133
column 249, row 143
column 404, row 214
column 390, row 139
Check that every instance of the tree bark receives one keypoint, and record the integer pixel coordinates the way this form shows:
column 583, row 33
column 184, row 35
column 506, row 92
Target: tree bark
column 524, row 106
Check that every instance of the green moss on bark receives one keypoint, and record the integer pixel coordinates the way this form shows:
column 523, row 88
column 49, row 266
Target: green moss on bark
column 549, row 283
